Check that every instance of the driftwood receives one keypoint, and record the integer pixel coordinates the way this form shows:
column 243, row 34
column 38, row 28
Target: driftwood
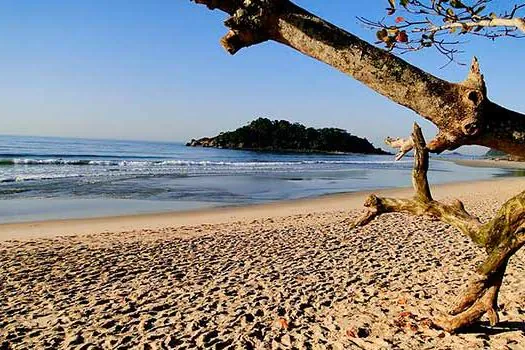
column 501, row 237
column 462, row 112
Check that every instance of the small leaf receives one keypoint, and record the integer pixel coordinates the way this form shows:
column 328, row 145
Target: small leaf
column 390, row 42
column 399, row 19
column 426, row 323
column 457, row 4
column 282, row 323
column 381, row 34
column 350, row 333
column 392, row 31
column 402, row 37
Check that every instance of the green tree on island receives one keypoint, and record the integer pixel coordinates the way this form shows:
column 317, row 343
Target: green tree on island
column 263, row 134
column 462, row 111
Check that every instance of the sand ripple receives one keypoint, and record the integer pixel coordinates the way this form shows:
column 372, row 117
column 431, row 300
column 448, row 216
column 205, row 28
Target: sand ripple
column 305, row 282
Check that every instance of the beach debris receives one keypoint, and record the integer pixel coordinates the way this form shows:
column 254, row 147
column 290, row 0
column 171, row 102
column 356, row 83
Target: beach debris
column 358, row 332
column 282, row 323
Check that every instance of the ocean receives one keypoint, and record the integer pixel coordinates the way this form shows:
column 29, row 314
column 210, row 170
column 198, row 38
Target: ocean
column 56, row 178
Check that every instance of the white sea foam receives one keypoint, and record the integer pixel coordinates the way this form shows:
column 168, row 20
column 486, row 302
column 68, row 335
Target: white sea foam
column 32, row 169
column 35, row 177
column 132, row 163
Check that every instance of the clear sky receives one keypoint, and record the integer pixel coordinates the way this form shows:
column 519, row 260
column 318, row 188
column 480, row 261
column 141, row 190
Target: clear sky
column 154, row 70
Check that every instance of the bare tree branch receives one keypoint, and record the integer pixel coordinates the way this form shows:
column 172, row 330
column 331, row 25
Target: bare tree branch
column 501, row 237
column 430, row 24
column 461, row 111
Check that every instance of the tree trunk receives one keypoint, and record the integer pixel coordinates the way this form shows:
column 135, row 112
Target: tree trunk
column 461, row 111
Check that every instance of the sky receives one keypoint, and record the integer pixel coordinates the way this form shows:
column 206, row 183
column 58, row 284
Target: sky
column 154, row 70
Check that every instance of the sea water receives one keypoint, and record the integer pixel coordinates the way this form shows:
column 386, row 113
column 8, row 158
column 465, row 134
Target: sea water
column 54, row 178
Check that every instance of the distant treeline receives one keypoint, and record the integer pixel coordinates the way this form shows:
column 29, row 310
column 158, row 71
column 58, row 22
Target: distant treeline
column 494, row 153
column 281, row 135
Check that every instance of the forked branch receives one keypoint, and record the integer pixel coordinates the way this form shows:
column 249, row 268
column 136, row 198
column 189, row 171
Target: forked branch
column 422, row 204
column 413, row 25
column 501, row 237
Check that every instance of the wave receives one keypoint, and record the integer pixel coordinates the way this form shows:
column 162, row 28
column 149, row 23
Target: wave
column 17, row 170
column 131, row 163
column 7, row 156
column 25, row 178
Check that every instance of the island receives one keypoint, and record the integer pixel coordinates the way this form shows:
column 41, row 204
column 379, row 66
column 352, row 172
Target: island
column 264, row 134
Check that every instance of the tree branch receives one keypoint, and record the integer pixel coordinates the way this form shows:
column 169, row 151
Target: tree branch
column 461, row 111
column 518, row 23
column 501, row 237
column 404, row 145
column 417, row 28
column 422, row 204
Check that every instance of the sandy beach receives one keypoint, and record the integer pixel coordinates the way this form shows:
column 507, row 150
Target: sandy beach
column 491, row 163
column 281, row 275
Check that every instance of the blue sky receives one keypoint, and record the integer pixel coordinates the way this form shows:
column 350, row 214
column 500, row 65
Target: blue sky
column 154, row 70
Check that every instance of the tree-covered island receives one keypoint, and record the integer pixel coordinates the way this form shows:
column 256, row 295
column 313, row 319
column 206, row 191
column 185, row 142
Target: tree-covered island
column 264, row 134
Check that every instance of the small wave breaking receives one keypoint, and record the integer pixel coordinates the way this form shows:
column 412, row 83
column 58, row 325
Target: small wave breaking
column 124, row 163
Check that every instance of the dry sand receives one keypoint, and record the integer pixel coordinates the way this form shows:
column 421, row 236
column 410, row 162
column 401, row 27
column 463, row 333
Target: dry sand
column 490, row 163
column 288, row 275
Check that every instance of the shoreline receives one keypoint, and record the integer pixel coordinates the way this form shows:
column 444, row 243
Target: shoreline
column 291, row 150
column 489, row 163
column 233, row 213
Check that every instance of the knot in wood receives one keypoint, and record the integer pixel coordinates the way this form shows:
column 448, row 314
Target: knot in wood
column 252, row 15
column 471, row 128
column 475, row 97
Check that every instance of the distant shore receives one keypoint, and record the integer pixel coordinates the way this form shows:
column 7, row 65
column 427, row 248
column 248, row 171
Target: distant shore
column 489, row 163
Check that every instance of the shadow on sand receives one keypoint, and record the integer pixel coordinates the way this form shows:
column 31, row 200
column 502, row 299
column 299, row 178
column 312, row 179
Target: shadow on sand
column 502, row 327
